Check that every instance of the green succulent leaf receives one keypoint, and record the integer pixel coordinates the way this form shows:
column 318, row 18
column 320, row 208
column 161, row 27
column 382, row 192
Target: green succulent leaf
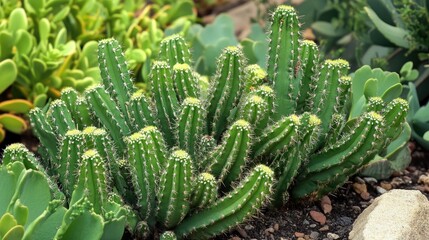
column 8, row 72
column 13, row 123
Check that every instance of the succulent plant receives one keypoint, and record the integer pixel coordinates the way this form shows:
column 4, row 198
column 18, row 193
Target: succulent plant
column 178, row 158
column 9, row 120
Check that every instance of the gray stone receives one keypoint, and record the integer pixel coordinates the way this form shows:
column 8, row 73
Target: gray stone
column 314, row 235
column 332, row 236
column 395, row 215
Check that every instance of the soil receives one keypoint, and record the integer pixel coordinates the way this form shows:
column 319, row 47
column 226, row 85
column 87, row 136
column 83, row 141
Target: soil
column 294, row 220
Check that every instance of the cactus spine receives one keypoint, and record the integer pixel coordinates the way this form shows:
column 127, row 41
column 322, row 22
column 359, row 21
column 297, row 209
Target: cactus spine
column 232, row 209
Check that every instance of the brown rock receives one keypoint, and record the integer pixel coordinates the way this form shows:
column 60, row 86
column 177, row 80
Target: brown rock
column 359, row 187
column 269, row 231
column 424, row 179
column 325, row 203
column 422, row 188
column 299, row 234
column 235, row 238
column 365, row 196
column 301, row 238
column 386, row 185
column 318, row 217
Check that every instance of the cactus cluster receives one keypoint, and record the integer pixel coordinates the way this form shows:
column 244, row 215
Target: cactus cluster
column 177, row 160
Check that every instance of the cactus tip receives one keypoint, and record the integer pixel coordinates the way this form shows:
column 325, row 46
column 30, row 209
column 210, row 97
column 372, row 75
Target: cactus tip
column 295, row 119
column 337, row 62
column 346, row 80
column 374, row 117
column 314, row 120
column 181, row 67
column 310, row 43
column 148, row 129
column 242, row 124
column 285, row 9
column 265, row 170
column 192, row 101
column 73, row 132
column 180, row 155
column 91, row 153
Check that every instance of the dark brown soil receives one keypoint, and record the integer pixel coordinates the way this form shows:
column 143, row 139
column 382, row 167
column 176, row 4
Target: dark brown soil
column 294, row 221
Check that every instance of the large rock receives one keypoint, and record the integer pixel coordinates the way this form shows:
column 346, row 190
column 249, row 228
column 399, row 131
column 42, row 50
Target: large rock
column 396, row 215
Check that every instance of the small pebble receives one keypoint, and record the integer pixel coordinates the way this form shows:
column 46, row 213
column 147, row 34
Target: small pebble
column 408, row 180
column 305, row 222
column 276, row 226
column 301, row 238
column 313, row 225
column 365, row 196
column 314, row 235
column 324, row 228
column 386, row 185
column 370, row 180
column 359, row 187
column 249, row 227
column 299, row 234
column 235, row 238
column 380, row 190
column 356, row 208
column 396, row 182
column 318, row 217
column 307, row 237
column 269, row 230
column 332, row 236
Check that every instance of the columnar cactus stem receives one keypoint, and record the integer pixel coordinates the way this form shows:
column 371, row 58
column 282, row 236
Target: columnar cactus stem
column 395, row 115
column 277, row 138
column 93, row 181
column 140, row 111
column 254, row 110
column 114, row 72
column 175, row 189
column 228, row 159
column 190, row 126
column 329, row 87
column 375, row 104
column 225, row 91
column 268, row 95
column 344, row 94
column 185, row 82
column 174, row 50
column 99, row 140
column 145, row 170
column 61, row 117
column 71, row 150
column 204, row 191
column 44, row 132
column 83, row 116
column 254, row 76
column 108, row 113
column 307, row 72
column 283, row 59
column 232, row 209
column 165, row 98
column 69, row 96
column 338, row 122
column 329, row 168
column 205, row 146
column 288, row 164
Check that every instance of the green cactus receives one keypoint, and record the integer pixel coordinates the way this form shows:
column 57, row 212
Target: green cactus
column 191, row 125
column 228, row 159
column 204, row 191
column 212, row 139
column 175, row 191
column 232, row 209
column 227, row 87
column 329, row 168
column 283, row 59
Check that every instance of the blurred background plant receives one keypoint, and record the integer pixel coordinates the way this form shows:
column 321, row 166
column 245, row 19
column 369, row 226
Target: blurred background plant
column 52, row 45
column 53, row 42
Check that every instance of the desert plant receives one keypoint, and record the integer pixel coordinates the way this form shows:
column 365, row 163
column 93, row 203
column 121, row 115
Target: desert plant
column 143, row 140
